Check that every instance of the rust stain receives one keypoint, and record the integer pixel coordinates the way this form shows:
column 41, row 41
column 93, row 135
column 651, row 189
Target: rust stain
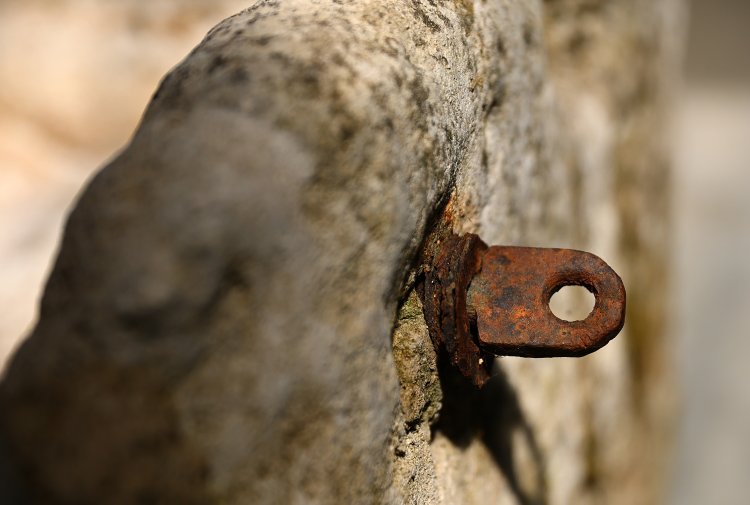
column 451, row 263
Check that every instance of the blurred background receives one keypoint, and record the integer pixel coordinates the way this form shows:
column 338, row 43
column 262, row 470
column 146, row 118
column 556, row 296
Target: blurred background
column 62, row 116
column 712, row 257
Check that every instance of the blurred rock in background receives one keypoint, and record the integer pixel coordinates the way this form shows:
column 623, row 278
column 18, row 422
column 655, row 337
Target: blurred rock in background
column 76, row 76
column 712, row 157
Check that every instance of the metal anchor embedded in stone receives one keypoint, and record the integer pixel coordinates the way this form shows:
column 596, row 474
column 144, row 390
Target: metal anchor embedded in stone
column 480, row 301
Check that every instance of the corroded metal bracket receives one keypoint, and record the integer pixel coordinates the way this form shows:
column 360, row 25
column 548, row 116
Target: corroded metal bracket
column 480, row 300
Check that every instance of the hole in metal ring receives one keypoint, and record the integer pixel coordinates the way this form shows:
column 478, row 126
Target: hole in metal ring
column 572, row 303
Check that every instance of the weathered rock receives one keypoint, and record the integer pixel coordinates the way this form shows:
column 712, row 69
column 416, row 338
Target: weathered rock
column 75, row 77
column 218, row 327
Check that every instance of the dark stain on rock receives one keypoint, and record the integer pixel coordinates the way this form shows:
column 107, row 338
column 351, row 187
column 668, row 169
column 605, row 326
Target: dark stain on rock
column 577, row 42
column 440, row 15
column 590, row 7
column 310, row 79
column 218, row 30
column 171, row 88
column 279, row 56
column 388, row 124
column 529, row 37
column 448, row 135
column 497, row 92
column 217, row 63
column 467, row 7
column 420, row 94
column 441, row 59
column 239, row 76
column 347, row 131
column 262, row 41
column 398, row 79
column 270, row 9
column 500, row 47
column 422, row 16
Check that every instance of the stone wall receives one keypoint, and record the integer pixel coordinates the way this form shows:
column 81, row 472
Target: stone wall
column 231, row 318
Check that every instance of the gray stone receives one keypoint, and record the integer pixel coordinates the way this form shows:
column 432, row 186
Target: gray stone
column 231, row 291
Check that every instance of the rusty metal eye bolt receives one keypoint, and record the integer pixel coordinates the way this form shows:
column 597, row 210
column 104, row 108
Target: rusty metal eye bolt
column 481, row 301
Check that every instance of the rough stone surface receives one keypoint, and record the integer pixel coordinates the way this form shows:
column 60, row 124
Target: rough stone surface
column 230, row 318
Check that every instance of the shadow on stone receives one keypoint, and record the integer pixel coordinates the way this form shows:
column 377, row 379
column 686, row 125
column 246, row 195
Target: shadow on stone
column 494, row 415
column 11, row 484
